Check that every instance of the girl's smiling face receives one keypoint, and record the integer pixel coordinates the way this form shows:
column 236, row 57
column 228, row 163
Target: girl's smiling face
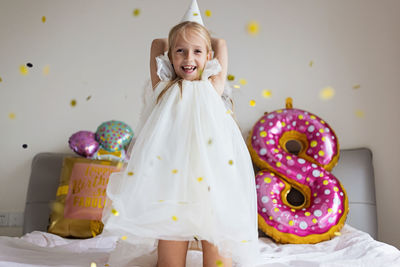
column 189, row 56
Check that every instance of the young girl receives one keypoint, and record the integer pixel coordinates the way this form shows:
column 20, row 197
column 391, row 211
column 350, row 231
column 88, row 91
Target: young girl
column 190, row 176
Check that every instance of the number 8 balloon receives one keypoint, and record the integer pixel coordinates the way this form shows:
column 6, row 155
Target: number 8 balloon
column 295, row 151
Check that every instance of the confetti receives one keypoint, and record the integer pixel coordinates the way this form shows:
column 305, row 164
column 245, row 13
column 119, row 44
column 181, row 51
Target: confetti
column 196, row 238
column 219, row 263
column 174, row 171
column 29, row 65
column 338, row 233
column 229, row 111
column 327, row 93
column 266, row 93
column 230, row 162
column 130, row 173
column 11, row 115
column 124, row 237
column 200, row 179
column 359, row 113
column 158, row 157
column 210, row 141
column 253, row 28
column 174, row 218
column 73, row 103
column 231, row 77
column 252, row 103
column 356, row 86
column 115, row 212
column 23, row 70
column 208, row 13
column 136, row 12
column 93, row 264
column 236, row 86
column 311, row 63
column 88, row 98
column 243, row 81
column 24, row 146
column 46, row 70
column 44, row 19
column 1, row 79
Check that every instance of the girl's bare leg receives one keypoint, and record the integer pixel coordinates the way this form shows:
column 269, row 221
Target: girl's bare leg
column 212, row 258
column 172, row 253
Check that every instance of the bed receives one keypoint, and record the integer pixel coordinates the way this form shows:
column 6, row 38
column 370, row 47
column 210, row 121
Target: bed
column 356, row 246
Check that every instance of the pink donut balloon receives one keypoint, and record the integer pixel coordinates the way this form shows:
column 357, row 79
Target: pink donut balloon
column 299, row 200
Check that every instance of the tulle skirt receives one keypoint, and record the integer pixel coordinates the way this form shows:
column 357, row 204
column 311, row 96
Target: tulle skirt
column 189, row 177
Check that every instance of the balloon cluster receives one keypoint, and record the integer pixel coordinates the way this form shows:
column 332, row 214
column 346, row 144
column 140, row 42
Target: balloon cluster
column 109, row 142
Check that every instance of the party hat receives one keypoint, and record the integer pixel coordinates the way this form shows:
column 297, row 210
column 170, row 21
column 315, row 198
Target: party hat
column 193, row 13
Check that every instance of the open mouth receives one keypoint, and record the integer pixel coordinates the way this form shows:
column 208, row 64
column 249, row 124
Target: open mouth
column 189, row 68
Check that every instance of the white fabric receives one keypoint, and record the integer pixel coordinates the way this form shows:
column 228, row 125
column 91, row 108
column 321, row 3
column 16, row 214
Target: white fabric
column 190, row 166
column 353, row 248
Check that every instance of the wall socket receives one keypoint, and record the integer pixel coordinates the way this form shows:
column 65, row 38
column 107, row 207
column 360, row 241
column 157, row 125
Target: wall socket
column 11, row 219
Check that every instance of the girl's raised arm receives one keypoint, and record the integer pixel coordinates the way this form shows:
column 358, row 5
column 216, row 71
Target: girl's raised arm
column 221, row 53
column 158, row 47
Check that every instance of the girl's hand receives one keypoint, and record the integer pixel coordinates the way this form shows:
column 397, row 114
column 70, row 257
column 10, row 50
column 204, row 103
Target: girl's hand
column 221, row 53
column 158, row 47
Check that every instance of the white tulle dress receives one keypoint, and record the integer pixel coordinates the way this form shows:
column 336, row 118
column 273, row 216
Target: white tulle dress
column 189, row 177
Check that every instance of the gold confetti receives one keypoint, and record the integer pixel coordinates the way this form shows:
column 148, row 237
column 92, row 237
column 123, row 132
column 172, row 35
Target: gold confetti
column 93, row 264
column 266, row 93
column 130, row 173
column 253, row 28
column 210, row 141
column 44, row 19
column 115, row 212
column 174, row 171
column 46, row 70
column 174, row 218
column 23, row 70
column 236, row 86
column 327, row 93
column 243, row 81
column 311, row 63
column 124, row 237
column 1, row 79
column 196, row 238
column 252, row 103
column 356, row 86
column 106, row 264
column 136, row 12
column 230, row 162
column 338, row 233
column 208, row 13
column 11, row 115
column 229, row 111
column 158, row 157
column 161, row 200
column 88, row 98
column 359, row 113
column 219, row 263
column 200, row 179
column 231, row 77
column 73, row 103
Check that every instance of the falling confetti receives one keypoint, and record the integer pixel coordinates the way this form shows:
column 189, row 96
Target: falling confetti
column 88, row 98
column 130, row 173
column 252, row 103
column 29, row 65
column 1, row 79
column 311, row 63
column 356, row 86
column 115, row 212
column 174, row 171
column 93, row 264
column 243, row 81
column 359, row 113
column 219, row 263
column 327, row 93
column 11, row 115
column 231, row 77
column 230, row 162
column 23, row 70
column 229, row 111
column 253, row 28
column 174, row 218
column 46, row 70
column 158, row 157
column 136, row 12
column 208, row 13
column 236, row 86
column 266, row 93
column 200, row 179
column 124, row 237
column 73, row 103
column 24, row 146
column 43, row 19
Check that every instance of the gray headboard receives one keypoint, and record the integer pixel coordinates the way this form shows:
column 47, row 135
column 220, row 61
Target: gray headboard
column 354, row 170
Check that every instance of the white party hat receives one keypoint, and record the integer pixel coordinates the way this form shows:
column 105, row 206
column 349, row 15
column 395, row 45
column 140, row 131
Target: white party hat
column 193, row 13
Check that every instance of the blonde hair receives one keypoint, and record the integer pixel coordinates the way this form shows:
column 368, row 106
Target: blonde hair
column 181, row 29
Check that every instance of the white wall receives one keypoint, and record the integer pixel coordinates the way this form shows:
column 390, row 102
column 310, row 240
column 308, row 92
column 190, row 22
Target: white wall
column 99, row 49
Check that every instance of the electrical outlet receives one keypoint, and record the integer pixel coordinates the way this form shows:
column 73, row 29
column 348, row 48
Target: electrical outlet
column 3, row 219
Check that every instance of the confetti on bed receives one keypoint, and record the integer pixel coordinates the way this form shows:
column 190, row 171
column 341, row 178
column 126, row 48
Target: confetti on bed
column 266, row 93
column 327, row 93
column 253, row 28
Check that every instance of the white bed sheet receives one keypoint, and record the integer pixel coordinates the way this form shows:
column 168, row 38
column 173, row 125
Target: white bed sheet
column 352, row 248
